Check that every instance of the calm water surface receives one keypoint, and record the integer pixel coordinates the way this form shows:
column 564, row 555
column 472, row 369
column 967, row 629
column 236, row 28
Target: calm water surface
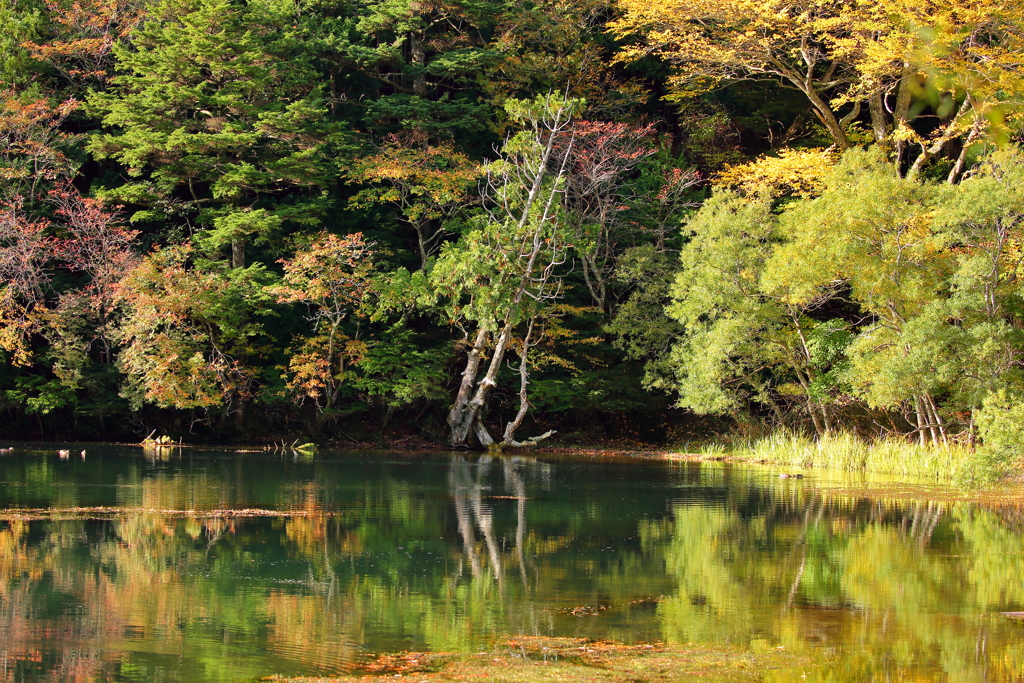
column 214, row 566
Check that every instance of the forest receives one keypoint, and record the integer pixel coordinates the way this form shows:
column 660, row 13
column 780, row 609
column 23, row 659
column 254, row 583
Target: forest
column 479, row 223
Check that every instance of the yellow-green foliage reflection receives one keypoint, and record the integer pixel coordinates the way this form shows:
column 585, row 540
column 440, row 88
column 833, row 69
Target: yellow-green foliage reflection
column 871, row 591
column 217, row 576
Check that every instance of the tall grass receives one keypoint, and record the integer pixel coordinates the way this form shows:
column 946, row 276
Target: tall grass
column 954, row 463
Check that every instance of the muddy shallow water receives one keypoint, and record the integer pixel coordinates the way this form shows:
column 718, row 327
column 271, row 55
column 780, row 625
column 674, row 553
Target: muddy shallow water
column 196, row 565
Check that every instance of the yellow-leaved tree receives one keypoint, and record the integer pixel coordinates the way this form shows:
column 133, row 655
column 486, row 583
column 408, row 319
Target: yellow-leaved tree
column 927, row 74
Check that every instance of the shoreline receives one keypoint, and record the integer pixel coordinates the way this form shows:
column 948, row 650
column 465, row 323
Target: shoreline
column 600, row 451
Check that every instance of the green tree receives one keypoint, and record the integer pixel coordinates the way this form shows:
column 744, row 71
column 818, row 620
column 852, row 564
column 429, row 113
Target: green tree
column 413, row 65
column 20, row 22
column 216, row 115
column 982, row 221
column 872, row 231
column 504, row 272
column 741, row 338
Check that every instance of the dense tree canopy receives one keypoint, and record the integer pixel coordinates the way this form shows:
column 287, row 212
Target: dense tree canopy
column 463, row 220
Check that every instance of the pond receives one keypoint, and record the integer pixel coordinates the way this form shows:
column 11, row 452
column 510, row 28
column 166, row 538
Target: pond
column 219, row 566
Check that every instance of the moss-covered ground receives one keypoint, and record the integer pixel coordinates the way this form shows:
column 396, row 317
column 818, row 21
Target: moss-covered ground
column 567, row 660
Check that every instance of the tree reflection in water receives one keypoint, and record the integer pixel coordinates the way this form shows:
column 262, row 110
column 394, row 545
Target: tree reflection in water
column 213, row 570
column 468, row 482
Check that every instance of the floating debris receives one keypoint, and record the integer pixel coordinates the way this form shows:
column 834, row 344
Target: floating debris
column 583, row 610
column 164, row 440
column 111, row 512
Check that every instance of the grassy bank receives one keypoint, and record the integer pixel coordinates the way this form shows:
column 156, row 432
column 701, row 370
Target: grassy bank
column 948, row 463
column 531, row 659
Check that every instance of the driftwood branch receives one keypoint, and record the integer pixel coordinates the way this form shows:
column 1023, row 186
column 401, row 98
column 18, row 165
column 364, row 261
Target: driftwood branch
column 532, row 441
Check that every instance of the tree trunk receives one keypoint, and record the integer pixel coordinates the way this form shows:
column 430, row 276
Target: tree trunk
column 456, row 416
column 924, row 404
column 928, row 152
column 509, row 437
column 801, row 363
column 902, row 108
column 524, row 401
column 936, row 418
column 238, row 252
column 812, row 405
column 421, row 237
column 825, row 417
column 595, row 283
column 483, row 436
column 812, row 409
column 926, row 401
column 464, row 417
column 824, row 114
column 419, row 59
column 878, row 123
column 919, row 411
column 961, row 160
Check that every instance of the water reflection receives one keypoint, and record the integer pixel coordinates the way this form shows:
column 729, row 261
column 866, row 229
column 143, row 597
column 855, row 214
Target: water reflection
column 468, row 483
column 877, row 591
column 220, row 567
